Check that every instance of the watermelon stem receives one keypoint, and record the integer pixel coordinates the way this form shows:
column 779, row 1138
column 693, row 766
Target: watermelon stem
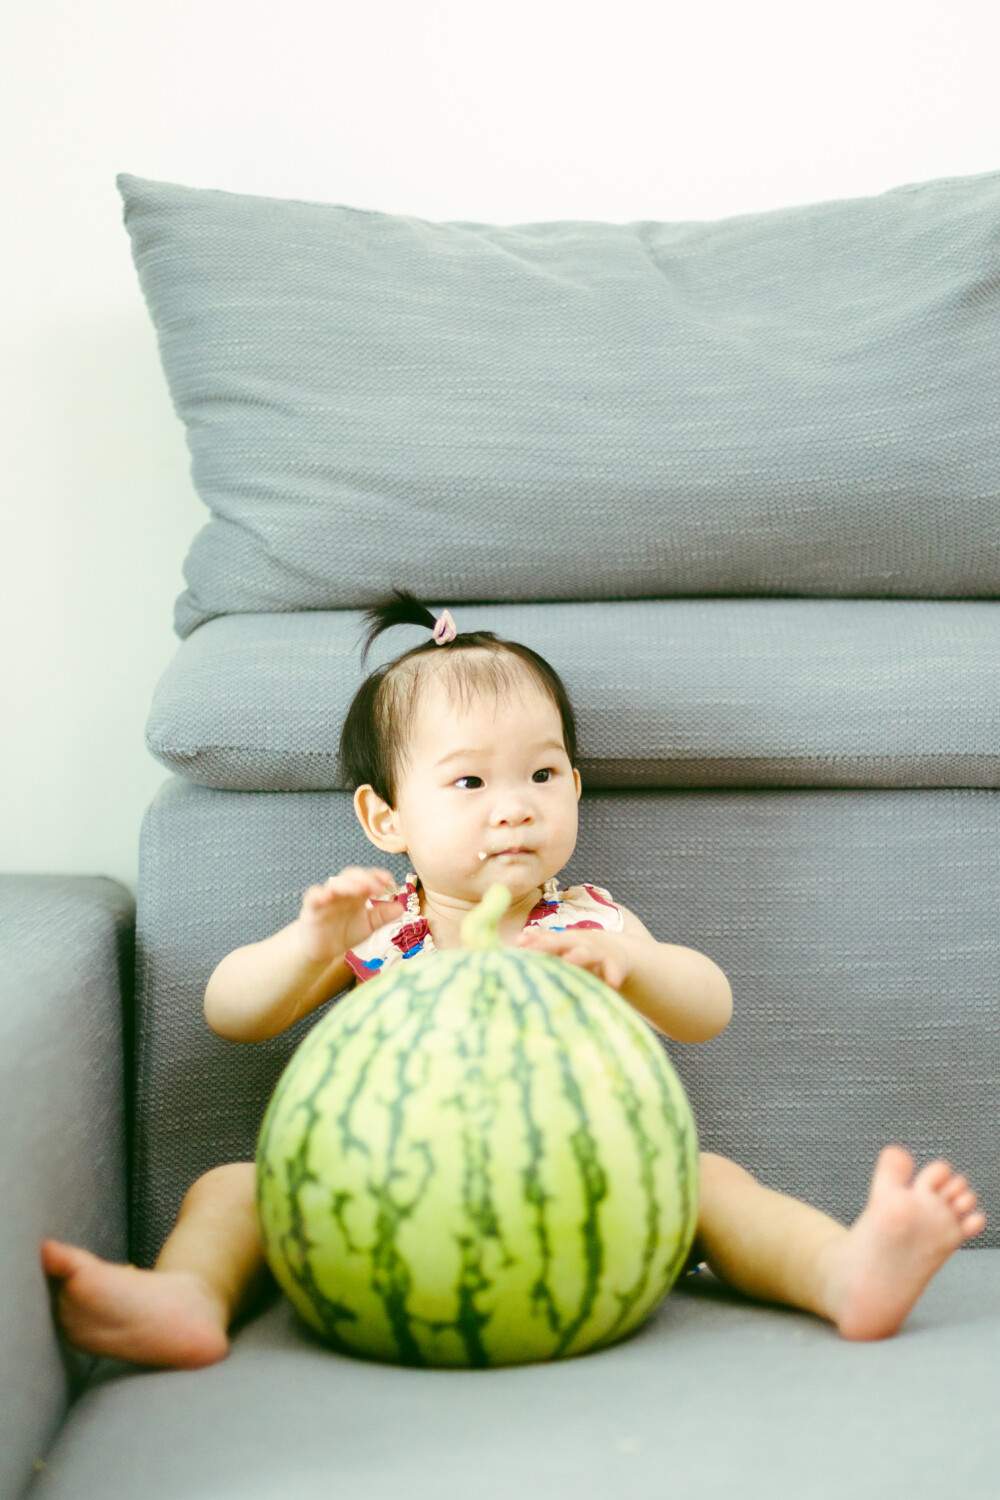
column 479, row 926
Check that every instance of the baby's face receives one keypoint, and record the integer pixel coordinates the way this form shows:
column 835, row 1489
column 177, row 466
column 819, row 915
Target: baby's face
column 489, row 777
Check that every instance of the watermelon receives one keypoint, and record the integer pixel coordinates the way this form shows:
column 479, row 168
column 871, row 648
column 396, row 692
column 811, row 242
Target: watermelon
column 481, row 1157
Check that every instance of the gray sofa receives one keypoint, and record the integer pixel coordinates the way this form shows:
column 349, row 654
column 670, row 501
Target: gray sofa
column 755, row 529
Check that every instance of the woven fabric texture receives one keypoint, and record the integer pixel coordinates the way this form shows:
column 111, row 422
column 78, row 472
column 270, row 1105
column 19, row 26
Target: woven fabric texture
column 65, row 979
column 857, row 930
column 795, row 402
column 681, row 692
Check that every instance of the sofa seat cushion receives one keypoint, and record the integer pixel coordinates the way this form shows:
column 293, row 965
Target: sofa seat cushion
column 796, row 401
column 667, row 693
column 714, row 1397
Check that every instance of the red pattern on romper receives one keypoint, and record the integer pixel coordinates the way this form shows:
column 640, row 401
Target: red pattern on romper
column 411, row 936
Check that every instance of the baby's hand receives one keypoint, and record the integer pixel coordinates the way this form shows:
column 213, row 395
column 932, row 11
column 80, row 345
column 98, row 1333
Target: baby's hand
column 334, row 916
column 602, row 953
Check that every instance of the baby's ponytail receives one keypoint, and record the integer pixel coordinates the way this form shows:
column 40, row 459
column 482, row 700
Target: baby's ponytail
column 405, row 609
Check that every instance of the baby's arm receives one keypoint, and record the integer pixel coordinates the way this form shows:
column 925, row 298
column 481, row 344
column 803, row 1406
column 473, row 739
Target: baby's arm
column 682, row 992
column 263, row 988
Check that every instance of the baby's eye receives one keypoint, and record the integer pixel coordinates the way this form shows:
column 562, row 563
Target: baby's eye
column 467, row 778
column 548, row 771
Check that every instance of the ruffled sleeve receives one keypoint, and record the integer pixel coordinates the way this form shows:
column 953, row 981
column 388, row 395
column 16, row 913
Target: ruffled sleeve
column 576, row 906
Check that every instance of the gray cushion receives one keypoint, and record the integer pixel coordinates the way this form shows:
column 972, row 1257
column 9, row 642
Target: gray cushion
column 857, row 929
column 66, row 943
column 715, row 1398
column 799, row 401
column 681, row 692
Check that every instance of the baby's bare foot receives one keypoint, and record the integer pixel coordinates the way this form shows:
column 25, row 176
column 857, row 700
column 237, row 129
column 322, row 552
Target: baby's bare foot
column 906, row 1232
column 149, row 1317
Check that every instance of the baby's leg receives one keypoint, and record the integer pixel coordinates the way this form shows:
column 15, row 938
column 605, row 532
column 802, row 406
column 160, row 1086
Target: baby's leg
column 865, row 1279
column 210, row 1269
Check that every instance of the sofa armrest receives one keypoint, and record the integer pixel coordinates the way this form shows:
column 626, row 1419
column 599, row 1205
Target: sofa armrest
column 66, row 963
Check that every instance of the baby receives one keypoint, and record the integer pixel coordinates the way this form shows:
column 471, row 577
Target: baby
column 462, row 752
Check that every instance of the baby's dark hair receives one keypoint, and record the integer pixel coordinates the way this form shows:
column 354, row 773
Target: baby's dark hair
column 376, row 734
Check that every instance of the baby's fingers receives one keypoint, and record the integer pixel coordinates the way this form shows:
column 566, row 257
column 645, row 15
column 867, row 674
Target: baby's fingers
column 550, row 940
column 354, row 882
column 598, row 964
column 541, row 937
column 585, row 954
column 386, row 911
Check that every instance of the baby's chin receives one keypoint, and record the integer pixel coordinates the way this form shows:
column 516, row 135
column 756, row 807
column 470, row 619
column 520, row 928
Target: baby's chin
column 523, row 874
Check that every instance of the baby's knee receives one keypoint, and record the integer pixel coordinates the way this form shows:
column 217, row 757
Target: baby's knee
column 718, row 1171
column 231, row 1180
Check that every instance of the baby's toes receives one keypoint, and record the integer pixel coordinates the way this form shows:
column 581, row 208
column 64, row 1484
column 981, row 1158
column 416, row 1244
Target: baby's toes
column 953, row 1189
column 934, row 1176
column 972, row 1225
column 63, row 1260
column 963, row 1203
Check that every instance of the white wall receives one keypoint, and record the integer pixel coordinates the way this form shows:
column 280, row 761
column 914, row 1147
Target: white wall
column 529, row 110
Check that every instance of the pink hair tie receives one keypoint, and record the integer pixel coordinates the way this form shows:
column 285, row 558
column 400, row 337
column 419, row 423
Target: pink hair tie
column 444, row 630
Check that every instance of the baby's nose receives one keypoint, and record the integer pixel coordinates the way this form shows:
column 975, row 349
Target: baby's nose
column 512, row 809
column 511, row 813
